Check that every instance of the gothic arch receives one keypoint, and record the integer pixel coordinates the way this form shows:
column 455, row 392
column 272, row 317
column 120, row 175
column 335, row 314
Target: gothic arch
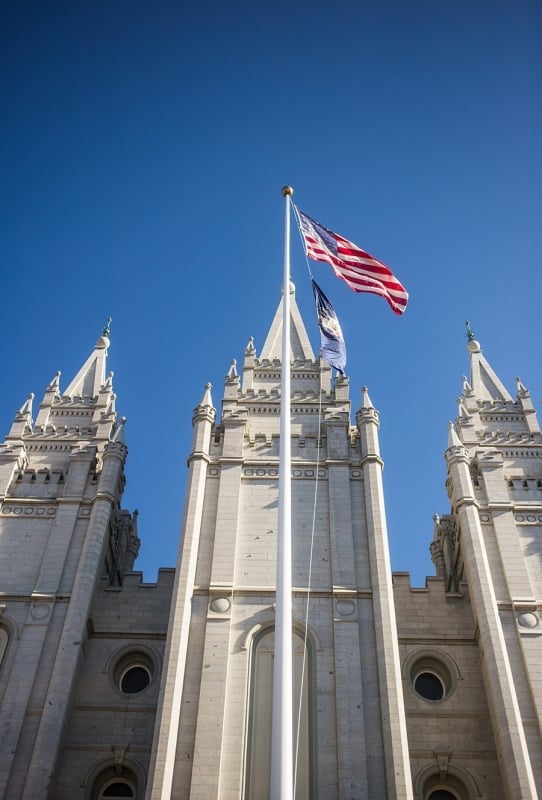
column 259, row 704
column 442, row 775
column 117, row 768
column 8, row 633
column 299, row 629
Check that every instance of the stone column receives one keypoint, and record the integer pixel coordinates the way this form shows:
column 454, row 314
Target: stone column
column 162, row 766
column 394, row 732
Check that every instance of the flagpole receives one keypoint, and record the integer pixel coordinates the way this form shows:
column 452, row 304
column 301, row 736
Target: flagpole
column 282, row 737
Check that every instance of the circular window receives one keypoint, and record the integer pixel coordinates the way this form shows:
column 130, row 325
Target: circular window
column 432, row 676
column 135, row 679
column 133, row 672
column 429, row 686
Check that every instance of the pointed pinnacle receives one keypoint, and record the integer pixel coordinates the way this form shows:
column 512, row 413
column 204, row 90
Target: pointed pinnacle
column 206, row 400
column 55, row 383
column 26, row 407
column 453, row 438
column 118, row 436
column 366, row 400
column 250, row 349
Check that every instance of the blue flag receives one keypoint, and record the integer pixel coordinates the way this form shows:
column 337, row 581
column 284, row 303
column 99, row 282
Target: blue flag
column 331, row 336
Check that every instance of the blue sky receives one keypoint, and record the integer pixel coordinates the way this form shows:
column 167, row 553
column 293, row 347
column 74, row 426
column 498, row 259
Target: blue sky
column 143, row 149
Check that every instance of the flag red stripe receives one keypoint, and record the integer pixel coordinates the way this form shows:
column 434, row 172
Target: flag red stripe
column 357, row 268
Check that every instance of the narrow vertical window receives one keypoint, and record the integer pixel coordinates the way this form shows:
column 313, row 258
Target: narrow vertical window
column 4, row 639
column 258, row 745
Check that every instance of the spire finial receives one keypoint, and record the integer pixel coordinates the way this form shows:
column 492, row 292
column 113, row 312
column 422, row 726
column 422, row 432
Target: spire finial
column 470, row 332
column 107, row 327
column 250, row 349
column 232, row 372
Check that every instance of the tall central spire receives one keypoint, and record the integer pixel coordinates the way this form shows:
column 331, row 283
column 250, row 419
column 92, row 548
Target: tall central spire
column 300, row 346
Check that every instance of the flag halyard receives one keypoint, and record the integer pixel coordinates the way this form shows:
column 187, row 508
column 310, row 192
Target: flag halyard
column 361, row 271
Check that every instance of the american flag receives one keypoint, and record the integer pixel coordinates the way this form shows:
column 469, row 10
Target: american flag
column 357, row 268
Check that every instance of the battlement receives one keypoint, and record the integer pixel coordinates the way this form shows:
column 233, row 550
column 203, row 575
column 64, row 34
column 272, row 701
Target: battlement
column 430, row 612
column 135, row 607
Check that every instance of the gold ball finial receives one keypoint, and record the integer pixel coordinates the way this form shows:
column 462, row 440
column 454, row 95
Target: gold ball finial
column 287, row 190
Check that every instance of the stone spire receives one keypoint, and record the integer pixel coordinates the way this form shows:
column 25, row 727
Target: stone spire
column 87, row 401
column 484, row 384
column 91, row 376
column 301, row 349
column 487, row 412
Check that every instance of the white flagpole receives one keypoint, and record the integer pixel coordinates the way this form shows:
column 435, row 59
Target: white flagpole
column 282, row 782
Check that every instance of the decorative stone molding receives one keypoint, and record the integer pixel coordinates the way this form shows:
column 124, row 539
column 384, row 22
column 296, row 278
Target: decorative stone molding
column 220, row 605
column 528, row 619
column 272, row 472
column 40, row 611
column 528, row 519
column 345, row 607
column 25, row 510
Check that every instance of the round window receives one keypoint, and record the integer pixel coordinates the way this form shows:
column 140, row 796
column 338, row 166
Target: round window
column 135, row 679
column 429, row 686
column 133, row 672
column 432, row 675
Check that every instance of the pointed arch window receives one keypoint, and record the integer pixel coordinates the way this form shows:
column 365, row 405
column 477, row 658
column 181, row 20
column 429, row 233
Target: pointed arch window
column 258, row 740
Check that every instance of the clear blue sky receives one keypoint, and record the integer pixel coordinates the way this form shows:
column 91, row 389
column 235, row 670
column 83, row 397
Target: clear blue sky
column 143, row 148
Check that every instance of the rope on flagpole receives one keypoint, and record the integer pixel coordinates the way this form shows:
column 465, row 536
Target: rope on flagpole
column 309, row 581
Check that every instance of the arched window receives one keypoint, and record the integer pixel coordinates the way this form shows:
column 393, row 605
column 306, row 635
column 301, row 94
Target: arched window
column 112, row 784
column 258, row 744
column 4, row 639
column 116, row 790
column 442, row 794
column 450, row 787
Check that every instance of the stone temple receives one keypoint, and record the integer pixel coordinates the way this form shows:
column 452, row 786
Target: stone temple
column 115, row 688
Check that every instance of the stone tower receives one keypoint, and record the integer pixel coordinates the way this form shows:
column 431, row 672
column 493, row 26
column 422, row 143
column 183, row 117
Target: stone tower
column 68, row 599
column 213, row 732
column 492, row 543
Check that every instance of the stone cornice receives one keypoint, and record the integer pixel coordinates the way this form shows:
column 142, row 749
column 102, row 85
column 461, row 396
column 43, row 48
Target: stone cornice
column 372, row 458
